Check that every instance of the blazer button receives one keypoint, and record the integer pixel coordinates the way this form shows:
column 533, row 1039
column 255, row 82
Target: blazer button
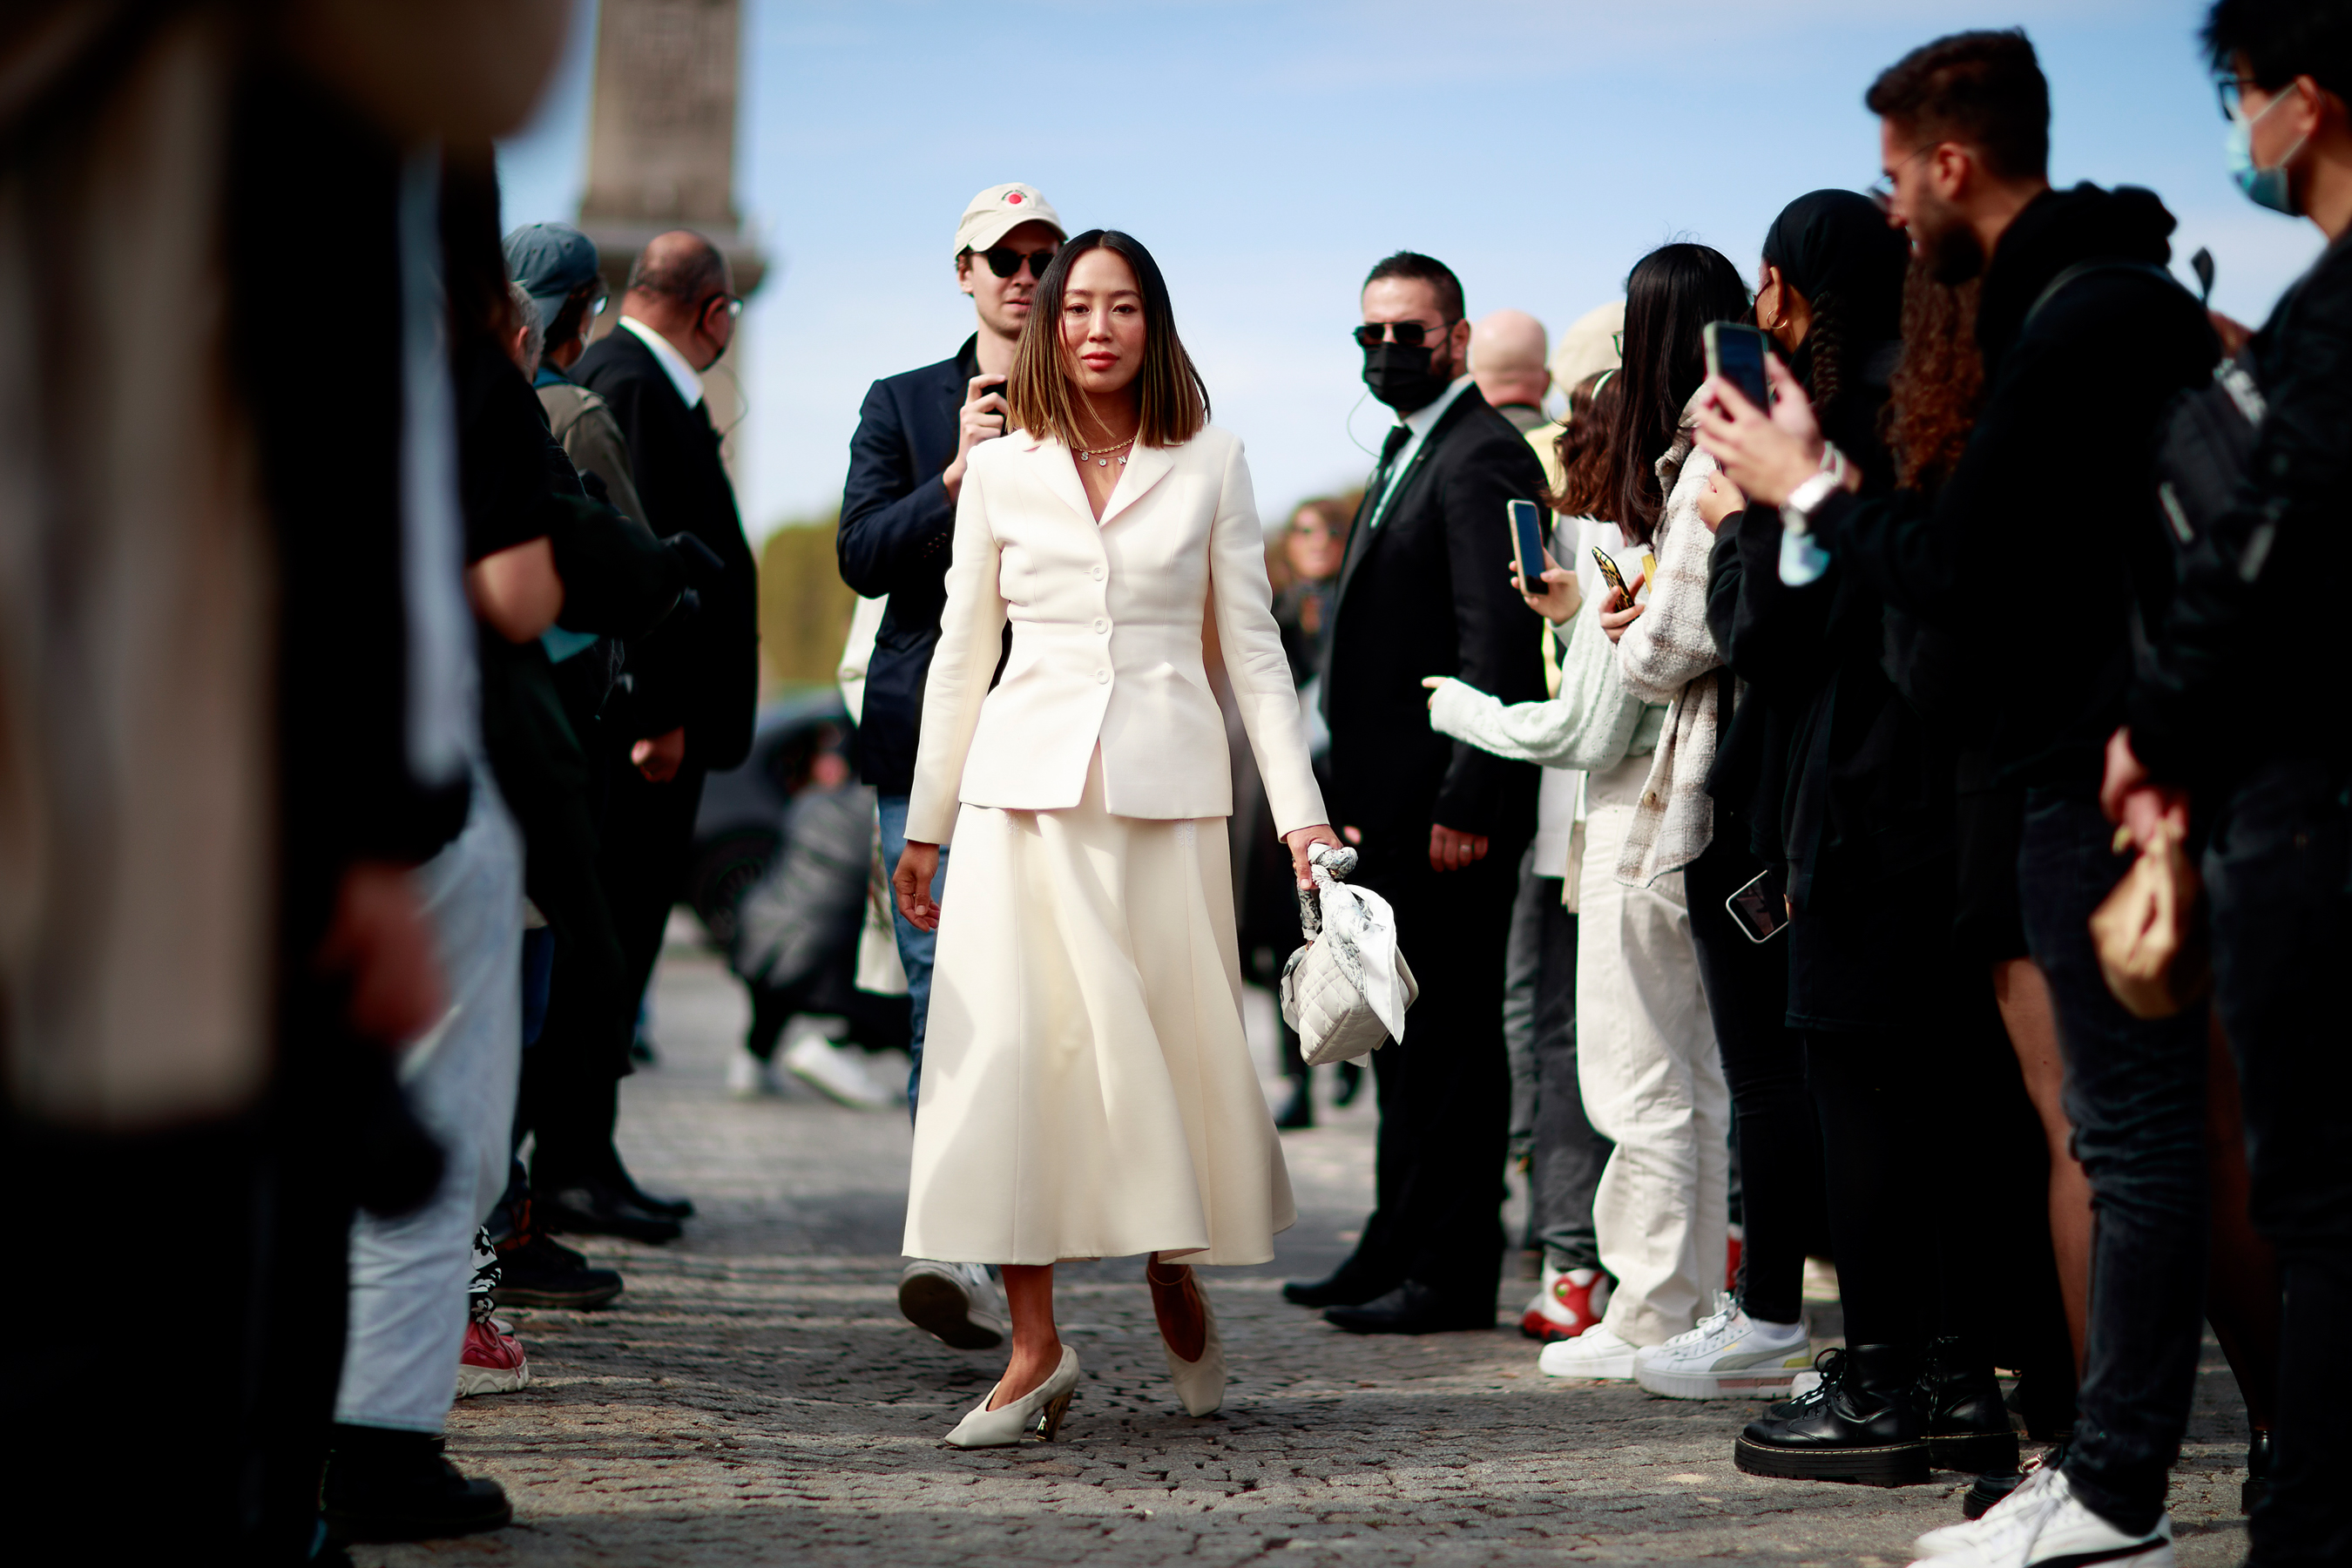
column 1102, row 628
column 1098, row 573
column 1650, row 797
column 1102, row 678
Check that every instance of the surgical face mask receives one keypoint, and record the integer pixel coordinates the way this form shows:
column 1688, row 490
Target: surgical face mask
column 2264, row 188
column 1401, row 376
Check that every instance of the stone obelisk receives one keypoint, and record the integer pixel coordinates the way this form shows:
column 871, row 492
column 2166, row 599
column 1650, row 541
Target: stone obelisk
column 661, row 151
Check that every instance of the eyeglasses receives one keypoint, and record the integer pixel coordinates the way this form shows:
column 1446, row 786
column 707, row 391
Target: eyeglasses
column 1005, row 261
column 1881, row 191
column 734, row 306
column 1617, row 342
column 1409, row 334
column 2230, row 89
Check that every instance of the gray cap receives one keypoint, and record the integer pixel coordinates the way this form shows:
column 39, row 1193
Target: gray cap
column 553, row 261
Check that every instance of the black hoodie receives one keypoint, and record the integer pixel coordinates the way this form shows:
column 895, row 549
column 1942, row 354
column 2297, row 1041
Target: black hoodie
column 2034, row 552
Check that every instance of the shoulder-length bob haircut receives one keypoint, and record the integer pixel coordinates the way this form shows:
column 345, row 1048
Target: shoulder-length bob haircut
column 1170, row 394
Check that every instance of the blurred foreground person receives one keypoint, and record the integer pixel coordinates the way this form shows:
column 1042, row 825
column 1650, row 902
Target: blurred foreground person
column 1506, row 364
column 235, row 722
column 1091, row 1092
column 915, row 437
column 2256, row 595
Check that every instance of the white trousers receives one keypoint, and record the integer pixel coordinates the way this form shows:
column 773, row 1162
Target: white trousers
column 409, row 1275
column 1646, row 1061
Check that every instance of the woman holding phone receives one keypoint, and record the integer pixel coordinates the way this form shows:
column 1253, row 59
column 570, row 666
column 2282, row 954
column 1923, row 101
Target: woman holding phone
column 1087, row 1090
column 1639, row 693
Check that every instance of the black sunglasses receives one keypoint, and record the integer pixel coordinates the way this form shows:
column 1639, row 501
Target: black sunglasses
column 1409, row 334
column 1005, row 261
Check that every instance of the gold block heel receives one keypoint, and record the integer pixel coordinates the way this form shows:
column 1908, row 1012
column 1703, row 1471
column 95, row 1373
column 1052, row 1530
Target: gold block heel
column 1050, row 1422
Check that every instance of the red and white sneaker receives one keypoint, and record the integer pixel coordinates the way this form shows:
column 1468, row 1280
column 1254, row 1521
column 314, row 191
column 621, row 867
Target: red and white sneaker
column 1737, row 1238
column 492, row 1360
column 1570, row 1301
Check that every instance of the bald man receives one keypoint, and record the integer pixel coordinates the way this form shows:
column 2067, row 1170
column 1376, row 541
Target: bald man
column 687, row 707
column 1506, row 362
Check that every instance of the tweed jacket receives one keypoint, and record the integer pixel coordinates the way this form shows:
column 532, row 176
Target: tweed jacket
column 1669, row 656
column 1107, row 642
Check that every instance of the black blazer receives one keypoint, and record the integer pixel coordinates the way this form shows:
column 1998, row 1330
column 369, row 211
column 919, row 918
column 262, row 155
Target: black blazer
column 700, row 670
column 897, row 523
column 1429, row 593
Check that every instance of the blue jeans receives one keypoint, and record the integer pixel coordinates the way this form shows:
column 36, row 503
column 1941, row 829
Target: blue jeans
column 915, row 947
column 2276, row 876
column 2136, row 1095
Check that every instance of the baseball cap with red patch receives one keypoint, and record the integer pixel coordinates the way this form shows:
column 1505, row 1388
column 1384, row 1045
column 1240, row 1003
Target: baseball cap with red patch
column 997, row 211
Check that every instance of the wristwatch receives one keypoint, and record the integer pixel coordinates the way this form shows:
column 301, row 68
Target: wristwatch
column 1797, row 511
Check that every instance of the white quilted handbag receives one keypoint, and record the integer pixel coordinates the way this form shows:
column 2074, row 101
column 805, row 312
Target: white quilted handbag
column 1345, row 992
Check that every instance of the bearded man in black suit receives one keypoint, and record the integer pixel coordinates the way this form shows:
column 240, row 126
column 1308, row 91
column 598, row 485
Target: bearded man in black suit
column 691, row 690
column 1426, row 590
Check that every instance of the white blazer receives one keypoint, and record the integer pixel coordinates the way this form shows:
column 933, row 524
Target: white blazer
column 1106, row 642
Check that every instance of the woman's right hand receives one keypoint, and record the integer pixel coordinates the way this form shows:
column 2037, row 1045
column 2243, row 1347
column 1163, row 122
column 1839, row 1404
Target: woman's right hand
column 918, row 865
column 1561, row 597
column 1622, row 611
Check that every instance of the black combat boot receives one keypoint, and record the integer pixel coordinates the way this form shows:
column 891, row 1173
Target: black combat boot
column 388, row 1484
column 1862, row 1425
column 1967, row 1421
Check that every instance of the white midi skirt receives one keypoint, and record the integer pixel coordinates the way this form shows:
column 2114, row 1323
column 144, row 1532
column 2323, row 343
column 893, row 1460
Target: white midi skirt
column 1088, row 1090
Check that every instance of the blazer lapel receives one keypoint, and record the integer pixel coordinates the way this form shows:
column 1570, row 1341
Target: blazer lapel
column 1146, row 466
column 1060, row 472
column 1363, row 537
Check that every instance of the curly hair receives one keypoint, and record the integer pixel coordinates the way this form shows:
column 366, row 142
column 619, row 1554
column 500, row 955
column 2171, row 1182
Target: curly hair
column 1939, row 382
column 1583, row 449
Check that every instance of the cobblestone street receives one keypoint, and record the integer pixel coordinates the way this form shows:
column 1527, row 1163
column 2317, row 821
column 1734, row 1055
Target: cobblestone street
column 754, row 1397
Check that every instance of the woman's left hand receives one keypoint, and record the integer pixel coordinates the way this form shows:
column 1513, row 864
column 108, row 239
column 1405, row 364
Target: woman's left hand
column 1302, row 839
column 1719, row 500
column 1766, row 456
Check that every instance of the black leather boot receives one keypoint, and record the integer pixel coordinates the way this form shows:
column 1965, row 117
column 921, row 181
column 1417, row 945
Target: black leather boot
column 1967, row 1421
column 388, row 1484
column 1862, row 1425
column 2258, row 1473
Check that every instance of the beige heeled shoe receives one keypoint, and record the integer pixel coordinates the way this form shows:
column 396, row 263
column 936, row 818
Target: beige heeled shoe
column 1200, row 1384
column 1040, row 1410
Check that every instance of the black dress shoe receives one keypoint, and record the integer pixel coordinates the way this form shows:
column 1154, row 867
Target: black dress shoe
column 1862, row 1425
column 539, row 1271
column 1967, row 1421
column 1989, row 1489
column 2258, row 1473
column 1299, row 1110
column 1413, row 1308
column 652, row 1203
column 1345, row 1286
column 387, row 1485
column 592, row 1208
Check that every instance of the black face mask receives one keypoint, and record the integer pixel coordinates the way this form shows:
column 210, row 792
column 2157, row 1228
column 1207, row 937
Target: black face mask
column 1401, row 376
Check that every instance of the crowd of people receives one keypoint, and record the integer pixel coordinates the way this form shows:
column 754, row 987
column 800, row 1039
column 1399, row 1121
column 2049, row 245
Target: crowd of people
column 1792, row 865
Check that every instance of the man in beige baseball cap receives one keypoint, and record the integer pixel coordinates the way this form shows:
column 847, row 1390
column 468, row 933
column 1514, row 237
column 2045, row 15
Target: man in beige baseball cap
column 897, row 512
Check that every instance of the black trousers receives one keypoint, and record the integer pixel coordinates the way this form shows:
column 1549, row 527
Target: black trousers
column 2277, row 873
column 571, row 1083
column 1445, row 1091
column 1778, row 1140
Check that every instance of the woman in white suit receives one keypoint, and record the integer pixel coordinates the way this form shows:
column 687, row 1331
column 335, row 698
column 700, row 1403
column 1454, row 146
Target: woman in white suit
column 1088, row 1090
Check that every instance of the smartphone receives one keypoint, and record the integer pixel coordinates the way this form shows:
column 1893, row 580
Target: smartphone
column 1526, row 543
column 1735, row 352
column 1609, row 574
column 1761, row 907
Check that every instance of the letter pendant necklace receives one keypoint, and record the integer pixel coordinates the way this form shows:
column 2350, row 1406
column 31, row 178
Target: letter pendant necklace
column 1102, row 455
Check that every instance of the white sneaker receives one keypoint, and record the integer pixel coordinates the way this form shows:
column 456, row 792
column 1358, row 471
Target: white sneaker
column 1730, row 1355
column 839, row 1071
column 1596, row 1352
column 956, row 1302
column 2042, row 1521
column 749, row 1077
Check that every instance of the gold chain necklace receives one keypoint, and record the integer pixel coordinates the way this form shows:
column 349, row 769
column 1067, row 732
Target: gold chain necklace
column 1102, row 455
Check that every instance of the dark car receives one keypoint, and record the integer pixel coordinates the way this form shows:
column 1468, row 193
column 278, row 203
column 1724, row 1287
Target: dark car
column 739, row 828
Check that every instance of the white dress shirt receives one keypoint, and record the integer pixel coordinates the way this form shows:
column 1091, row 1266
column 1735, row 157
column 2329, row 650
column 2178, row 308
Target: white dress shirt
column 681, row 374
column 1421, row 421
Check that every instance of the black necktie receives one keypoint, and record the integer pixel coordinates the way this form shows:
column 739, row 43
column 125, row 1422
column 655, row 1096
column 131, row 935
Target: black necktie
column 1380, row 488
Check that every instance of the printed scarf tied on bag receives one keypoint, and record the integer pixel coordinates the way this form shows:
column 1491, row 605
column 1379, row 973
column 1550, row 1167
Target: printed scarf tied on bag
column 1347, row 991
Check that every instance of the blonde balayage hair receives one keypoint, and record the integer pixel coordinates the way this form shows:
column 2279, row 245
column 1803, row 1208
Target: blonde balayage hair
column 1169, row 394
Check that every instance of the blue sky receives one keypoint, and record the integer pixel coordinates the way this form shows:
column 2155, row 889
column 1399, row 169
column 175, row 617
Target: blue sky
column 1268, row 151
